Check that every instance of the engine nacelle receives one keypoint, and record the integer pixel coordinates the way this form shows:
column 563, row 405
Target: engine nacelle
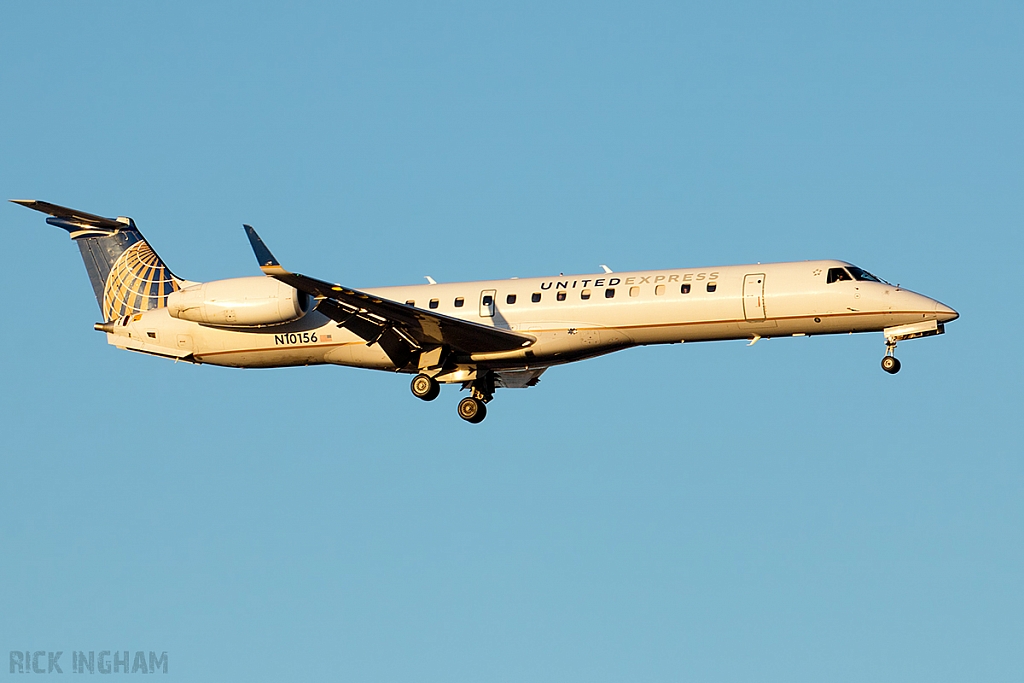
column 239, row 302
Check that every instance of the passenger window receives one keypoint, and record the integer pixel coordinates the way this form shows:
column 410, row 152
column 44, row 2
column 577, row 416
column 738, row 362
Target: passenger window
column 536, row 297
column 510, row 299
column 410, row 302
column 433, row 303
column 837, row 275
column 634, row 291
column 712, row 286
column 487, row 301
column 609, row 293
column 561, row 295
column 459, row 301
column 659, row 290
column 685, row 289
column 585, row 294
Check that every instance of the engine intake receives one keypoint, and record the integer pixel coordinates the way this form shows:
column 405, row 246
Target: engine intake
column 239, row 302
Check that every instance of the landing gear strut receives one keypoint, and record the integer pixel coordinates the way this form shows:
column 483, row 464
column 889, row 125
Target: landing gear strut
column 425, row 387
column 890, row 363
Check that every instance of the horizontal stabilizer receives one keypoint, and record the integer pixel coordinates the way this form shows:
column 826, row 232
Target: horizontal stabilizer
column 75, row 216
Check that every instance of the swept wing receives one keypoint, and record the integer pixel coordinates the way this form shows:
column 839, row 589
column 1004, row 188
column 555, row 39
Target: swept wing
column 402, row 330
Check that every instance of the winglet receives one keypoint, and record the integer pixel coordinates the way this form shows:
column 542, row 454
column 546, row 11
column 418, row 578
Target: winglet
column 268, row 264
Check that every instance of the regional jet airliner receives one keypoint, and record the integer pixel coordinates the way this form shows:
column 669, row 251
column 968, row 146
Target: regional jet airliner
column 480, row 335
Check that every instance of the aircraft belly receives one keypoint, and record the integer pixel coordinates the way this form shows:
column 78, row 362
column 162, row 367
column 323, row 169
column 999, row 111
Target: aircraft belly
column 358, row 354
column 264, row 358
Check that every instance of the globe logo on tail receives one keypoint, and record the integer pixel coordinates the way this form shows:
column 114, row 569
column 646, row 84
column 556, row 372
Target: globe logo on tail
column 138, row 281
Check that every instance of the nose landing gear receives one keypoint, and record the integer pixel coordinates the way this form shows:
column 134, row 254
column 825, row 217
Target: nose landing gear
column 890, row 363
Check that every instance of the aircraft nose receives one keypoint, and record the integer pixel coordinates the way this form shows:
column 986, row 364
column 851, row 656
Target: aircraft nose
column 944, row 313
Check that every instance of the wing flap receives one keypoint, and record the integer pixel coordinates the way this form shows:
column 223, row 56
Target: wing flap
column 518, row 379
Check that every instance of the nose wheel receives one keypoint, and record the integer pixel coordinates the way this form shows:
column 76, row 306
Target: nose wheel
column 890, row 363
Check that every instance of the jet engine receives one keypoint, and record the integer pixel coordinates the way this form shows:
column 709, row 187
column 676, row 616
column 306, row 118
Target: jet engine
column 239, row 302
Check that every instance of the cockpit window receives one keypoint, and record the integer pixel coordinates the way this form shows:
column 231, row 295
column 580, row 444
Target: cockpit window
column 863, row 275
column 837, row 274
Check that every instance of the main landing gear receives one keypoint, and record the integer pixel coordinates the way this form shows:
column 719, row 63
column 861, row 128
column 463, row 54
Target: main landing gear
column 890, row 363
column 424, row 387
column 472, row 409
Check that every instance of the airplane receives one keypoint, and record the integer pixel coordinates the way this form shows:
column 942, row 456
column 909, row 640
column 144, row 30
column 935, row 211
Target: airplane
column 481, row 335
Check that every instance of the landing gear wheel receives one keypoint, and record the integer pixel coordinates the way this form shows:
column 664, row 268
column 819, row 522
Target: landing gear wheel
column 891, row 365
column 425, row 387
column 472, row 410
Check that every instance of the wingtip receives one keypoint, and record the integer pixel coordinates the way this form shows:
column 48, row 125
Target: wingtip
column 268, row 263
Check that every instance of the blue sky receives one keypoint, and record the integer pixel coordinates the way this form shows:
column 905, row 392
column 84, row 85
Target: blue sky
column 786, row 512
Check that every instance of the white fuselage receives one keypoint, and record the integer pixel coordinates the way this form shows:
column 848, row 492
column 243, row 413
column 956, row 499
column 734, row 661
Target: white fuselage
column 622, row 310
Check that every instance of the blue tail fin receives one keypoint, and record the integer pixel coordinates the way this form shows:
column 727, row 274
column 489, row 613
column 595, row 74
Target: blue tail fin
column 126, row 274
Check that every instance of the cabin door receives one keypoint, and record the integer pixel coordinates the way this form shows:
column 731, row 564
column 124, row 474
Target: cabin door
column 753, row 297
column 487, row 303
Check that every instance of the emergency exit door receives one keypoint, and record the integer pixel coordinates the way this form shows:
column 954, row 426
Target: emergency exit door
column 753, row 297
column 487, row 303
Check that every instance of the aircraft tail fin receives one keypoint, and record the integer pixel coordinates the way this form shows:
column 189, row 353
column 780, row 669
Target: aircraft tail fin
column 126, row 274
